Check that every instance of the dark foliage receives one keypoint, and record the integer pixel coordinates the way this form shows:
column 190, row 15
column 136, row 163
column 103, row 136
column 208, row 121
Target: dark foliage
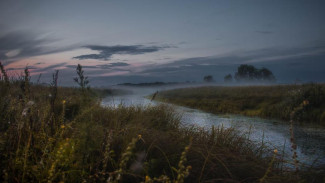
column 249, row 73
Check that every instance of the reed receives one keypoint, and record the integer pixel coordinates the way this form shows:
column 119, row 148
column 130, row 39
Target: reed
column 55, row 134
column 276, row 102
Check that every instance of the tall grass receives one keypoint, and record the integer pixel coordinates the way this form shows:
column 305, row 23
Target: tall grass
column 264, row 101
column 54, row 134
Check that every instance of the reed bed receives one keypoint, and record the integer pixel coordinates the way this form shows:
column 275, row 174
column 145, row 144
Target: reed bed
column 54, row 134
column 276, row 101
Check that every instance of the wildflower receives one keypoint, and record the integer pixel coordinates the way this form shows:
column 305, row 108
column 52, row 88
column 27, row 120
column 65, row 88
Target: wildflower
column 62, row 126
column 24, row 113
column 63, row 101
column 147, row 178
column 275, row 151
column 27, row 108
column 305, row 102
column 30, row 103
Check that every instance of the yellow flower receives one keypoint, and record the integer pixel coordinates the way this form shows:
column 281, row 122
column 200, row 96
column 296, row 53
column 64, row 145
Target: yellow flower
column 305, row 102
column 147, row 178
column 275, row 151
column 62, row 126
column 63, row 101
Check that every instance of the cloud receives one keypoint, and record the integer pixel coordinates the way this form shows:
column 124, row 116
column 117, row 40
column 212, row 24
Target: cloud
column 118, row 64
column 50, row 68
column 278, row 54
column 39, row 63
column 105, row 66
column 21, row 68
column 284, row 63
column 106, row 52
column 304, row 60
column 39, row 69
column 13, row 53
column 22, row 44
column 83, row 66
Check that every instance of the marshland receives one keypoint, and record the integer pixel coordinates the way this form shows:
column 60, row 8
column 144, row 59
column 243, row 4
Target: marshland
column 162, row 91
column 52, row 134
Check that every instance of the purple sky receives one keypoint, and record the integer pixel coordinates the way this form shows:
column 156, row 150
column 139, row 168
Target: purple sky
column 169, row 40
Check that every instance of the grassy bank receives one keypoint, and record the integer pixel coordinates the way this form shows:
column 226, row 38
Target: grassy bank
column 53, row 134
column 263, row 101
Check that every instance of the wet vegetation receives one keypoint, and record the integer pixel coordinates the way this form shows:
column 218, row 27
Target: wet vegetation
column 277, row 101
column 55, row 134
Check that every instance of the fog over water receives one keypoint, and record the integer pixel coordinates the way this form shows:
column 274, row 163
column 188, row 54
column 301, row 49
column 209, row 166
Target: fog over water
column 273, row 133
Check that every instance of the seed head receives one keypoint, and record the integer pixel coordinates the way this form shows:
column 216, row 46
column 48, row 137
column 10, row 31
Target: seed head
column 275, row 151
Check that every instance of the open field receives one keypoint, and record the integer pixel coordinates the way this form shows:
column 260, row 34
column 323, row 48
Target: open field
column 53, row 134
column 263, row 101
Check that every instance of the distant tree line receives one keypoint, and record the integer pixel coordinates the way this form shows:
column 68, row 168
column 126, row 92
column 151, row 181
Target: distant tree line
column 248, row 73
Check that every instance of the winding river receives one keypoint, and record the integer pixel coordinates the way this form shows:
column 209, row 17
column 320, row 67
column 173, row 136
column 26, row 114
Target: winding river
column 310, row 140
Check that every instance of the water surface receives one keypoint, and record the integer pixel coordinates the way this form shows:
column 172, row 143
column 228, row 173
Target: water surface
column 273, row 133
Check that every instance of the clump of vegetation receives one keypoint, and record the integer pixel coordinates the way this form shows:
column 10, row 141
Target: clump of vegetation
column 81, row 80
column 208, row 78
column 264, row 101
column 55, row 134
column 248, row 73
column 228, row 78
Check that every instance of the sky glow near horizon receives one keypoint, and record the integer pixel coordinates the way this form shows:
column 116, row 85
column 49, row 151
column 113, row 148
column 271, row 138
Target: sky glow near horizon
column 147, row 41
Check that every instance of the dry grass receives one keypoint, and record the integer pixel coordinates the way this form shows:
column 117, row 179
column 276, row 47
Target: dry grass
column 264, row 101
column 72, row 138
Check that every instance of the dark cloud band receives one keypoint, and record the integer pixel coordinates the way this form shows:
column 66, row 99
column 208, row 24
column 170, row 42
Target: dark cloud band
column 105, row 66
column 23, row 44
column 106, row 52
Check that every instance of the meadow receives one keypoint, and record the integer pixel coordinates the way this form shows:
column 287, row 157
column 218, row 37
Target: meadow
column 275, row 102
column 56, row 134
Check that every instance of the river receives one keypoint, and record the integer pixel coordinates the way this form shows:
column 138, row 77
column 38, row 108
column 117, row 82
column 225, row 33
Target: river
column 275, row 134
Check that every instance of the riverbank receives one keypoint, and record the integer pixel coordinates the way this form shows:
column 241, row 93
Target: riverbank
column 263, row 101
column 53, row 134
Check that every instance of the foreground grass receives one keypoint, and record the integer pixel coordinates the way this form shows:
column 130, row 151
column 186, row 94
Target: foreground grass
column 263, row 101
column 53, row 134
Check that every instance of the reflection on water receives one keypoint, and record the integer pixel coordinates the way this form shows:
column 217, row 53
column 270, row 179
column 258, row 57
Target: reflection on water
column 309, row 139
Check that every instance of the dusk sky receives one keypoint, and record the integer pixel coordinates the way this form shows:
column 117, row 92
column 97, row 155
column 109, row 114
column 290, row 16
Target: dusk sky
column 168, row 40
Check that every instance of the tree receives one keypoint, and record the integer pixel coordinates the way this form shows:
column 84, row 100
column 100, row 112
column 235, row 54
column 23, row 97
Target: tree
column 228, row 78
column 250, row 73
column 208, row 78
column 81, row 80
column 266, row 75
column 245, row 73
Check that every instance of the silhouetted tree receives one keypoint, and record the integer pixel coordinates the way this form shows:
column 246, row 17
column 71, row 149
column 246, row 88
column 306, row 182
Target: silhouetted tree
column 228, row 78
column 266, row 75
column 250, row 73
column 245, row 72
column 208, row 78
